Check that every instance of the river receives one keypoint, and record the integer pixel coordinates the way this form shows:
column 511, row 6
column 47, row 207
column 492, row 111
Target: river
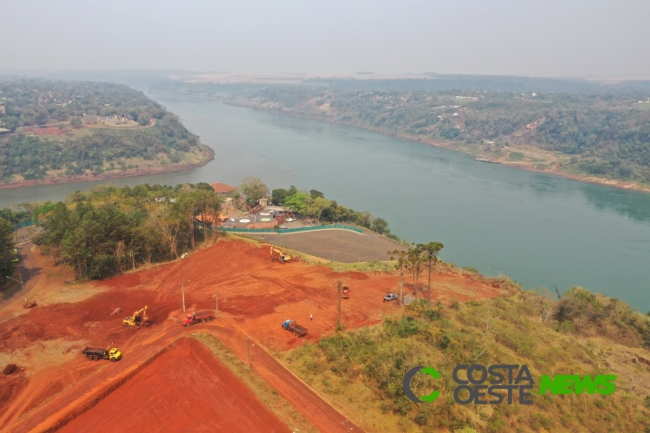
column 540, row 229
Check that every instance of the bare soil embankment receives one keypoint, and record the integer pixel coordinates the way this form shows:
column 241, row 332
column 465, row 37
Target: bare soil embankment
column 185, row 387
column 255, row 296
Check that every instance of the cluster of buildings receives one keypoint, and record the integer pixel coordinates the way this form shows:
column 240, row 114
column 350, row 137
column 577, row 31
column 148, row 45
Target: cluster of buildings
column 261, row 217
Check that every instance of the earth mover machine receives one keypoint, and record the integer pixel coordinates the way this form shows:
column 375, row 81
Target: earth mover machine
column 137, row 319
column 203, row 316
column 95, row 353
column 283, row 258
column 291, row 325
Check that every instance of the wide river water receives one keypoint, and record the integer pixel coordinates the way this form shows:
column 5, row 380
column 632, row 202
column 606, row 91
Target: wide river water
column 540, row 229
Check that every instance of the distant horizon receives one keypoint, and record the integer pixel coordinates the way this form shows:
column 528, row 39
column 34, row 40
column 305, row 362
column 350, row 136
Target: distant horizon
column 360, row 73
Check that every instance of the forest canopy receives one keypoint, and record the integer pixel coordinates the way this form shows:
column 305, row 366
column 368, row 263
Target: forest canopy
column 572, row 126
column 109, row 230
column 102, row 127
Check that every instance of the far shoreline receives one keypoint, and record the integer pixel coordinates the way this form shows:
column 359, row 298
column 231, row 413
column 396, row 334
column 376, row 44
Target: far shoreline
column 620, row 184
column 208, row 155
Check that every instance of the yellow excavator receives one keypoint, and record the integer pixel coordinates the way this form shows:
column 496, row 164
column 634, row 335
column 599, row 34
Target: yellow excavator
column 284, row 258
column 138, row 318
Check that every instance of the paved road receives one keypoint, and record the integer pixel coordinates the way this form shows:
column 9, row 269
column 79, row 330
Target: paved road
column 338, row 245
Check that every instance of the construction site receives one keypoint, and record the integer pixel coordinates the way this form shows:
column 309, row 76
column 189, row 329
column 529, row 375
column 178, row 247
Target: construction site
column 130, row 352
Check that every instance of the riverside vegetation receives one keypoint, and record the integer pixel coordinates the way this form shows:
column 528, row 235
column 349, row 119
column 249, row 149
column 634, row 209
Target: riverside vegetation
column 110, row 230
column 567, row 126
column 93, row 128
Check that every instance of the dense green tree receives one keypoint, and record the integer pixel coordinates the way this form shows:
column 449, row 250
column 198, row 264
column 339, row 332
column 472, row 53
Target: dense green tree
column 315, row 194
column 6, row 247
column 144, row 118
column 379, row 225
column 254, row 189
column 430, row 252
column 109, row 229
column 415, row 264
column 364, row 219
column 279, row 195
column 316, row 206
column 15, row 216
column 297, row 202
column 10, row 122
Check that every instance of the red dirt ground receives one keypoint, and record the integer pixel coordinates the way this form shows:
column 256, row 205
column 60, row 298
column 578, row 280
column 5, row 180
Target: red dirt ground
column 255, row 295
column 186, row 388
column 49, row 131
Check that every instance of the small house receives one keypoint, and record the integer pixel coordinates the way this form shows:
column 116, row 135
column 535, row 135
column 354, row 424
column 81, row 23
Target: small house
column 222, row 188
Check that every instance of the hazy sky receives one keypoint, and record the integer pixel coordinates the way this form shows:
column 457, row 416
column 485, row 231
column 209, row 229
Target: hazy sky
column 517, row 37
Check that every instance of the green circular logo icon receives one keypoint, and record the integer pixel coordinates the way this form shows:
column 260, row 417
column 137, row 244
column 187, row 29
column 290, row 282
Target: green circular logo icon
column 407, row 384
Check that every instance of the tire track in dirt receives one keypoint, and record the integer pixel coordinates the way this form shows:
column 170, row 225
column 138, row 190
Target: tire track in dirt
column 91, row 390
column 316, row 409
column 185, row 368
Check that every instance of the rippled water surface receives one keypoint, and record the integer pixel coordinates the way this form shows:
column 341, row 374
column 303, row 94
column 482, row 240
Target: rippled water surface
column 539, row 229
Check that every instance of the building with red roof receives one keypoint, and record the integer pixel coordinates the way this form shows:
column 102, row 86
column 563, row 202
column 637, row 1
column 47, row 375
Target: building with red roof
column 222, row 188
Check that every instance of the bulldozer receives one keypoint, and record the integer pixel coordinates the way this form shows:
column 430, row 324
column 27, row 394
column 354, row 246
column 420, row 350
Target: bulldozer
column 283, row 258
column 137, row 319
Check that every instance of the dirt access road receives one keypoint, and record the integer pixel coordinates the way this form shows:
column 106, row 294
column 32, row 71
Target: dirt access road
column 56, row 383
column 165, row 387
column 29, row 272
column 115, row 385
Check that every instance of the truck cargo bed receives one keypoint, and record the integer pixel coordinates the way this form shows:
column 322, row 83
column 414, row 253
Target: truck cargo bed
column 298, row 330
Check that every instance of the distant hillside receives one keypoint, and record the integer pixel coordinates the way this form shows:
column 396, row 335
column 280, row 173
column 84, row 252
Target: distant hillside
column 430, row 82
column 67, row 131
column 573, row 127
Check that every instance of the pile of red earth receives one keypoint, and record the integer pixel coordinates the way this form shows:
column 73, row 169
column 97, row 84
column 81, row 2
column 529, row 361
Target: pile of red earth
column 186, row 388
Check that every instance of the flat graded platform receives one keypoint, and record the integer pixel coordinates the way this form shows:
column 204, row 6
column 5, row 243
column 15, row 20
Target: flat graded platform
column 185, row 389
column 342, row 245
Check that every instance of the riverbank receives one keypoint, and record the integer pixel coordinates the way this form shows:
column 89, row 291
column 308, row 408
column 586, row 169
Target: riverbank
column 207, row 156
column 555, row 167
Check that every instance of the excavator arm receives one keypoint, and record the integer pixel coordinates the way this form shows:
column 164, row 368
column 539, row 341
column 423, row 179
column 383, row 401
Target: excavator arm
column 137, row 318
column 282, row 256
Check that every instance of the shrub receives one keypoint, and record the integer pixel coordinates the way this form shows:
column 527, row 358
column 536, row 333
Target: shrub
column 9, row 369
column 421, row 418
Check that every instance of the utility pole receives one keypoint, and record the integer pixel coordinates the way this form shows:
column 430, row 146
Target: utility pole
column 22, row 286
column 133, row 258
column 183, row 293
column 338, row 286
